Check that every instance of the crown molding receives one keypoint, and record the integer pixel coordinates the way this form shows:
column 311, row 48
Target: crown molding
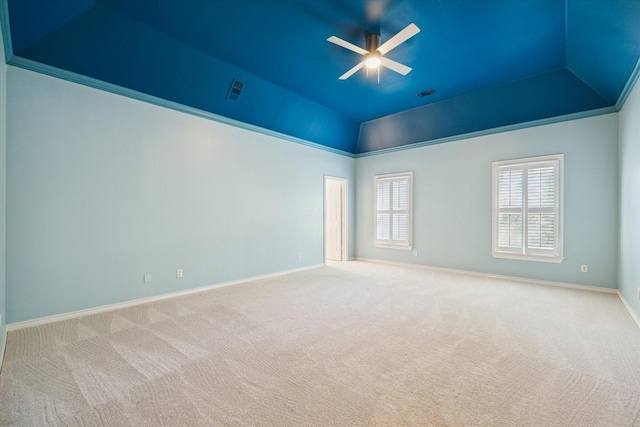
column 49, row 70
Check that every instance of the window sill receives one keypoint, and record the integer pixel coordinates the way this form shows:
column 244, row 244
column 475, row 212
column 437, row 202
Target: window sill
column 536, row 258
column 390, row 246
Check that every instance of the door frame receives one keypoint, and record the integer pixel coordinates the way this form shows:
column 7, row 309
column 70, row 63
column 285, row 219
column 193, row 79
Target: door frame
column 344, row 184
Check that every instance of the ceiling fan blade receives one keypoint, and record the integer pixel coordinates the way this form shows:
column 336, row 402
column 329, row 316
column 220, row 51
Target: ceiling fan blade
column 345, row 44
column 395, row 66
column 404, row 35
column 352, row 71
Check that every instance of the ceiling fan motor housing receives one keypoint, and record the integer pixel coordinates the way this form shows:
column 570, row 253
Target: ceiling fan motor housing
column 373, row 41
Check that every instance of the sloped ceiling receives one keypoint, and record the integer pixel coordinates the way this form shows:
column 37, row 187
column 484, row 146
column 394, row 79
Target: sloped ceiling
column 492, row 63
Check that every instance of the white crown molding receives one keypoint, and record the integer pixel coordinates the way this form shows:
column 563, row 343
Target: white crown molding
column 502, row 129
column 59, row 73
column 629, row 86
column 6, row 32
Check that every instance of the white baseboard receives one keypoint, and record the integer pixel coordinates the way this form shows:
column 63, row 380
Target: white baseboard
column 125, row 304
column 497, row 276
column 632, row 313
column 629, row 309
column 2, row 347
column 101, row 309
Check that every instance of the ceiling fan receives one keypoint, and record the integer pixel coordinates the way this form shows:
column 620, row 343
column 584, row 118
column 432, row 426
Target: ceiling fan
column 374, row 53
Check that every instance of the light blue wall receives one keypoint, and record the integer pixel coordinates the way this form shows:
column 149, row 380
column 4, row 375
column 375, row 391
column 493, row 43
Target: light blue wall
column 629, row 269
column 3, row 188
column 452, row 201
column 102, row 189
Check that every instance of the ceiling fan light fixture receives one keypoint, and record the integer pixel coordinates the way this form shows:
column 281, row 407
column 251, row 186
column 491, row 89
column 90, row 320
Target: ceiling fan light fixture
column 373, row 60
column 374, row 53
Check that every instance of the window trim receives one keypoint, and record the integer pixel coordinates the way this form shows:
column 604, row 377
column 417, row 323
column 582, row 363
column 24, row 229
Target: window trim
column 523, row 254
column 385, row 243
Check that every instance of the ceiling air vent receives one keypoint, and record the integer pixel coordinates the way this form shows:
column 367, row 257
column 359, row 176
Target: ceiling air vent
column 426, row 92
column 235, row 89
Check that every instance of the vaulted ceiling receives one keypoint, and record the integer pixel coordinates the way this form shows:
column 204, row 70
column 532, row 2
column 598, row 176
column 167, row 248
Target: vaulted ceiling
column 492, row 63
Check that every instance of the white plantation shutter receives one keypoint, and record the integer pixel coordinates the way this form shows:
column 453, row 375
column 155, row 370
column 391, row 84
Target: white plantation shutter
column 527, row 208
column 540, row 208
column 383, row 210
column 393, row 210
column 510, row 209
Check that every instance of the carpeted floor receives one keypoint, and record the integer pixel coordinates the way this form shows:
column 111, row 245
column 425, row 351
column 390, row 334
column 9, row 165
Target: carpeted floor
column 351, row 344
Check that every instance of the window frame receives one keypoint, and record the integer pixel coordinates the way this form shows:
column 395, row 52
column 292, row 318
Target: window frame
column 524, row 253
column 390, row 243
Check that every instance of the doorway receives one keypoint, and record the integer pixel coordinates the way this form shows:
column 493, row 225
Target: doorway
column 335, row 219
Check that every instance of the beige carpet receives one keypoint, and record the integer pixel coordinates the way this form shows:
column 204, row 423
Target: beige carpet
column 352, row 344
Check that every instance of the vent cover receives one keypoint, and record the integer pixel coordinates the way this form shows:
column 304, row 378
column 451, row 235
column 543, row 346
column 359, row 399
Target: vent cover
column 426, row 92
column 235, row 90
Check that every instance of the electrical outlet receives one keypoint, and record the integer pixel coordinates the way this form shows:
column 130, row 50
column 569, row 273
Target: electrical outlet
column 179, row 273
column 147, row 278
column 299, row 255
column 584, row 268
column 415, row 253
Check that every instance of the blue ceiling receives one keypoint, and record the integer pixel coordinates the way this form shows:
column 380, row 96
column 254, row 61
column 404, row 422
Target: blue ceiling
column 492, row 63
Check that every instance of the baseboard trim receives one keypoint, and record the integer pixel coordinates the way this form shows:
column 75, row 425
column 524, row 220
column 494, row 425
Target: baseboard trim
column 633, row 314
column 2, row 347
column 497, row 276
column 101, row 309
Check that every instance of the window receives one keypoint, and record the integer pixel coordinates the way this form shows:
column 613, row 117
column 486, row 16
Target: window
column 527, row 209
column 393, row 194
